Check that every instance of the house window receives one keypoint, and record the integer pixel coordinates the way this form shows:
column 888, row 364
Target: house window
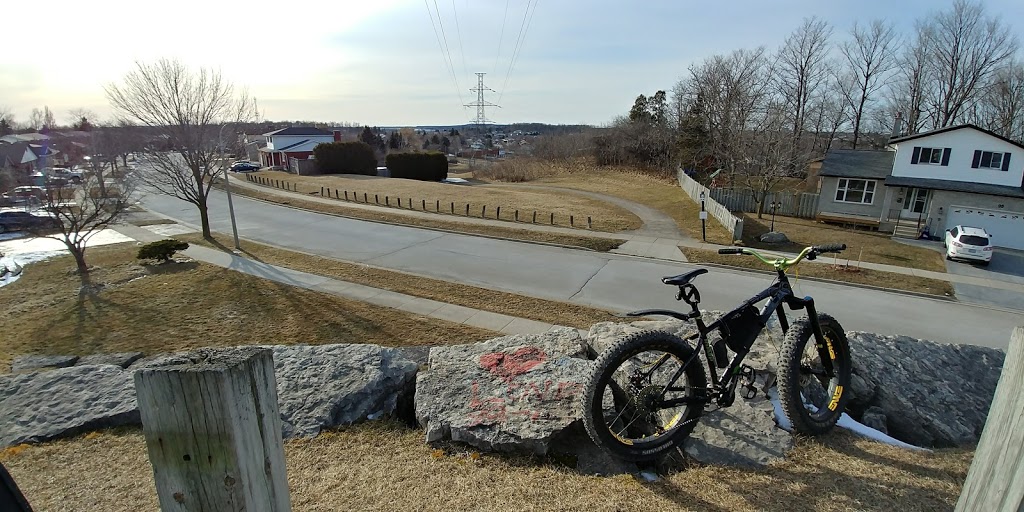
column 855, row 191
column 930, row 156
column 991, row 160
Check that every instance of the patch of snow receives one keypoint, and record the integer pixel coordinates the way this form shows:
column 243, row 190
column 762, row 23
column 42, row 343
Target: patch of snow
column 455, row 180
column 845, row 421
column 649, row 476
column 11, row 236
column 170, row 229
column 19, row 252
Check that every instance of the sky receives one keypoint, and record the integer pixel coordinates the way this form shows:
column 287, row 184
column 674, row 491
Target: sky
column 384, row 63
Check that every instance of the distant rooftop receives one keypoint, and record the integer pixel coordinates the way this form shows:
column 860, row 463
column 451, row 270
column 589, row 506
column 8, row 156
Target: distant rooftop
column 299, row 130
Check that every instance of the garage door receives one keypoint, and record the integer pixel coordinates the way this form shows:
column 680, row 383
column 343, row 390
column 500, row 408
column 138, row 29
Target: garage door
column 1006, row 228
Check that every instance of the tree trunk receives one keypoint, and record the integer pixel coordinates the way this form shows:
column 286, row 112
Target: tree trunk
column 204, row 219
column 79, row 254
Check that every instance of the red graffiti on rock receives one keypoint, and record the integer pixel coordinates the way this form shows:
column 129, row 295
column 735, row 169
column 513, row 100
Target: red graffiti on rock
column 509, row 366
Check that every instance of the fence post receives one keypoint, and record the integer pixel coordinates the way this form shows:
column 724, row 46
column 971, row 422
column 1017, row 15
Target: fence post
column 375, row 200
column 995, row 481
column 570, row 221
column 346, row 195
column 552, row 218
column 387, row 201
column 213, row 431
column 467, row 209
column 453, row 208
column 498, row 214
column 423, row 204
column 535, row 216
column 483, row 212
column 517, row 215
column 364, row 196
column 399, row 201
column 437, row 206
column 589, row 225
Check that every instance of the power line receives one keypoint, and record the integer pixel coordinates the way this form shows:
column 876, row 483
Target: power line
column 501, row 36
column 447, row 61
column 524, row 28
column 458, row 32
column 450, row 61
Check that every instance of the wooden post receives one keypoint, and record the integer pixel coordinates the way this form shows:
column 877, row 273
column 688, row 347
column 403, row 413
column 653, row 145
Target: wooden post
column 498, row 214
column 589, row 224
column 483, row 211
column 517, row 215
column 535, row 216
column 570, row 221
column 346, row 195
column 423, row 204
column 321, row 191
column 399, row 201
column 552, row 218
column 387, row 201
column 453, row 208
column 995, row 481
column 364, row 197
column 375, row 199
column 467, row 209
column 213, row 431
column 437, row 206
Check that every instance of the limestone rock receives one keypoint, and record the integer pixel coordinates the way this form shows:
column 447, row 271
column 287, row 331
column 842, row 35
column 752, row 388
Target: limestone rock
column 744, row 434
column 37, row 362
column 774, row 237
column 43, row 405
column 514, row 394
column 123, row 359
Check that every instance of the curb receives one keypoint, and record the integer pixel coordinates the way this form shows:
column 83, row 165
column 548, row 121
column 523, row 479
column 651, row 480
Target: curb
column 442, row 230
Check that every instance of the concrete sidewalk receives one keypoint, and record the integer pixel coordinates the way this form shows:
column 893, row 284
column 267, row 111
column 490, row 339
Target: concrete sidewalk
column 497, row 322
column 635, row 245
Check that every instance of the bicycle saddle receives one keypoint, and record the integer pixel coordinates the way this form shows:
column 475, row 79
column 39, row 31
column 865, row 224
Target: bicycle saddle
column 683, row 279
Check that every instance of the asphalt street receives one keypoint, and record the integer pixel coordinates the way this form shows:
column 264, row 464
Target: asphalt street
column 614, row 282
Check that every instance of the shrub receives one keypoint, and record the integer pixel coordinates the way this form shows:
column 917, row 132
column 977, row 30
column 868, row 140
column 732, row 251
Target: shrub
column 512, row 170
column 429, row 166
column 162, row 250
column 345, row 157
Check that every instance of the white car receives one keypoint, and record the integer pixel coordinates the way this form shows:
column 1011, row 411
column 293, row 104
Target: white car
column 965, row 242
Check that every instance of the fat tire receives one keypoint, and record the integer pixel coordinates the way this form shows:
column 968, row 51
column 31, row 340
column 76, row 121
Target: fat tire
column 798, row 335
column 591, row 402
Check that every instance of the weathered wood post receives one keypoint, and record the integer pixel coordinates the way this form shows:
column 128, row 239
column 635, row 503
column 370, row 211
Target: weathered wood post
column 321, row 191
column 387, row 200
column 364, row 197
column 437, row 206
column 995, row 482
column 467, row 209
column 346, row 195
column 535, row 216
column 453, row 208
column 570, row 221
column 517, row 215
column 399, row 201
column 213, row 431
column 589, row 224
column 375, row 199
column 552, row 218
column 423, row 204
column 483, row 212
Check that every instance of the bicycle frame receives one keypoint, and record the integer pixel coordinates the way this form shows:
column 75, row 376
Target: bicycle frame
column 779, row 293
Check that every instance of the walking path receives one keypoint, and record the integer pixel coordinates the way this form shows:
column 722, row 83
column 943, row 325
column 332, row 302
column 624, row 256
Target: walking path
column 497, row 322
column 659, row 247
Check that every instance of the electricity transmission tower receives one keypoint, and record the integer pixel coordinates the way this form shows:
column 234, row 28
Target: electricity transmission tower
column 480, row 103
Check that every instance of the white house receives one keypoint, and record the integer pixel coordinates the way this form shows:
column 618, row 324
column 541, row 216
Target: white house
column 933, row 180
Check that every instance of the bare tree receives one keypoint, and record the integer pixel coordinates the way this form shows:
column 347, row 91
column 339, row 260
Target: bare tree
column 81, row 119
column 830, row 111
column 189, row 110
column 79, row 211
column 35, row 119
column 965, row 47
column 912, row 83
column 871, row 56
column 802, row 69
column 1002, row 102
column 6, row 121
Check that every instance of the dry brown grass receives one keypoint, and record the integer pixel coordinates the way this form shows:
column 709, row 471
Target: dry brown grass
column 840, row 273
column 385, row 466
column 876, row 247
column 606, row 217
column 384, row 215
column 554, row 312
column 163, row 308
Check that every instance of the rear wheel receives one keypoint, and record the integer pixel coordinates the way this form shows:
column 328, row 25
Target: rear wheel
column 813, row 380
column 642, row 398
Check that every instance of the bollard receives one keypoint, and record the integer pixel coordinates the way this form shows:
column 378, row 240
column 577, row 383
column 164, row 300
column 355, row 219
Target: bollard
column 375, row 199
column 387, row 201
column 517, row 215
column 321, row 191
column 346, row 195
column 399, row 201
column 552, row 219
column 437, row 207
column 570, row 221
column 453, row 208
column 589, row 225
column 535, row 216
column 483, row 211
column 467, row 209
column 423, row 204
column 498, row 214
column 364, row 197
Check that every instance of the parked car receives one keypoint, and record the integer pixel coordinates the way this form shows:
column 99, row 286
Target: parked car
column 16, row 220
column 965, row 242
column 244, row 167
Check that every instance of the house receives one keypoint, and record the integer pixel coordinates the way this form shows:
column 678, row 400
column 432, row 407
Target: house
column 293, row 142
column 930, row 182
column 18, row 156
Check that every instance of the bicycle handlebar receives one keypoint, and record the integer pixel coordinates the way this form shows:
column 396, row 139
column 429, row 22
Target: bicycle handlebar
column 829, row 248
column 730, row 250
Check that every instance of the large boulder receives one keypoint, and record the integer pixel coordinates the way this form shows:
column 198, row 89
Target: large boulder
column 514, row 394
column 122, row 359
column 38, row 362
column 774, row 237
column 43, row 405
column 324, row 386
column 931, row 394
column 744, row 434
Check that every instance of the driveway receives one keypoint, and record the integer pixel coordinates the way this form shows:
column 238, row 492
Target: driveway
column 1007, row 265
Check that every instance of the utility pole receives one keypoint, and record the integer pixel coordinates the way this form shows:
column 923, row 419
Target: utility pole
column 480, row 103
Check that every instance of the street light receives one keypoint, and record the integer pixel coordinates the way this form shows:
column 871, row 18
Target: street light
column 703, row 218
column 775, row 205
column 227, row 187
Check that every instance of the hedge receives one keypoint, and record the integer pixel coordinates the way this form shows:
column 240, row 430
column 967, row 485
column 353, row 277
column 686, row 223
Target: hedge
column 345, row 158
column 429, row 166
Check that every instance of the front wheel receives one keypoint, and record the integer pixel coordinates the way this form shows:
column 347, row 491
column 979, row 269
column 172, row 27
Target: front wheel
column 644, row 396
column 813, row 380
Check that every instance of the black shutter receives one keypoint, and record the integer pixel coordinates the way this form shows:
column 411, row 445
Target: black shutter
column 945, row 156
column 916, row 155
column 977, row 159
column 1006, row 161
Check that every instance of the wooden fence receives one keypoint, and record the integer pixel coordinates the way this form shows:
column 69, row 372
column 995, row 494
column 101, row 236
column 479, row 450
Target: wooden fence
column 731, row 222
column 792, row 205
column 995, row 482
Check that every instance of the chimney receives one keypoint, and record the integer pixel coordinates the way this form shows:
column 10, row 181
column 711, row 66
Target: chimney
column 897, row 126
column 337, row 135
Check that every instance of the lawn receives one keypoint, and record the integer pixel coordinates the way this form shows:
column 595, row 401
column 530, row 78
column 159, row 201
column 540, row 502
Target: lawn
column 164, row 308
column 605, row 216
column 387, row 466
column 441, row 222
column 549, row 311
column 828, row 271
column 862, row 245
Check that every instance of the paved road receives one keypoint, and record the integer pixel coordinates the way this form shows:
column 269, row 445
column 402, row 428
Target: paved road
column 618, row 283
column 1006, row 265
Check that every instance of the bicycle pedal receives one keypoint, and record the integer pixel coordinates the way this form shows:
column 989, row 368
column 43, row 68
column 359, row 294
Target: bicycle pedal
column 750, row 392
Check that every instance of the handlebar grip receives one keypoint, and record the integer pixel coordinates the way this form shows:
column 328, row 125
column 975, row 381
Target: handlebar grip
column 830, row 248
column 730, row 250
